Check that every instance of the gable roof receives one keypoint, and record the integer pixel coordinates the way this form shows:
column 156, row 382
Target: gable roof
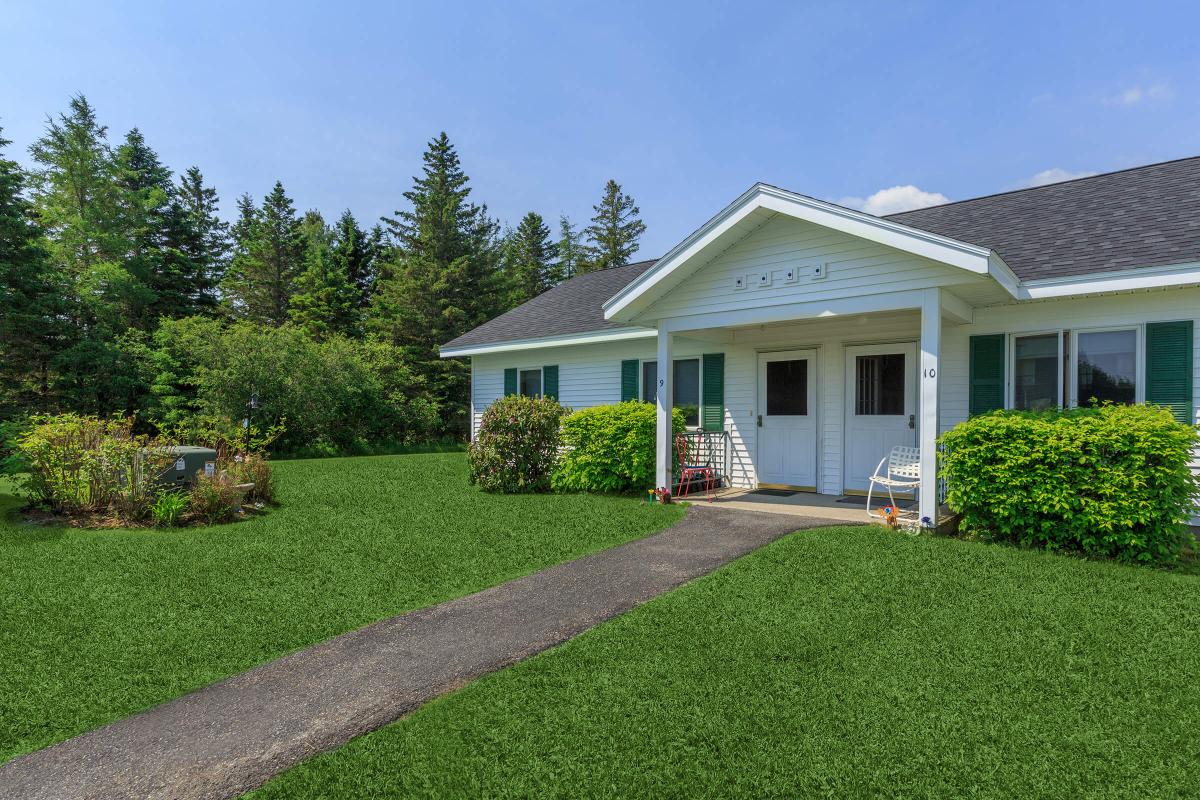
column 574, row 306
column 1136, row 218
column 1141, row 217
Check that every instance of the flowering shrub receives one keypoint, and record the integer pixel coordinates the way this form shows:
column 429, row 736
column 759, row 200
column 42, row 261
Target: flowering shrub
column 517, row 445
column 214, row 499
column 1108, row 481
column 610, row 448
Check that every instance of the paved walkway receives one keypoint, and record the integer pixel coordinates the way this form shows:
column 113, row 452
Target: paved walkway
column 234, row 735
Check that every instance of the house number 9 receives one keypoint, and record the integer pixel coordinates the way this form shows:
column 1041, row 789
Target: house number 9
column 931, row 373
column 662, row 382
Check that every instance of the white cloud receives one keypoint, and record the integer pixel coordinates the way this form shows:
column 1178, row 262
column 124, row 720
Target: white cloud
column 1133, row 95
column 895, row 200
column 1052, row 175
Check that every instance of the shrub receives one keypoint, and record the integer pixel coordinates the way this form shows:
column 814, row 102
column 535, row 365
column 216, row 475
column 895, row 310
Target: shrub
column 216, row 498
column 1105, row 481
column 80, row 465
column 168, row 507
column 610, row 448
column 517, row 445
column 255, row 469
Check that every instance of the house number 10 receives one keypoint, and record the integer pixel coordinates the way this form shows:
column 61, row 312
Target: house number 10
column 931, row 373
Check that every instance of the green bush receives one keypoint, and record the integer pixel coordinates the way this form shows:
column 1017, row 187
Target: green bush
column 517, row 445
column 1107, row 481
column 88, row 465
column 610, row 448
column 254, row 468
column 168, row 508
column 214, row 499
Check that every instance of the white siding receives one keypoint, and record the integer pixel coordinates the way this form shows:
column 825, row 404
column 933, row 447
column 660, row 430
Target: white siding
column 854, row 267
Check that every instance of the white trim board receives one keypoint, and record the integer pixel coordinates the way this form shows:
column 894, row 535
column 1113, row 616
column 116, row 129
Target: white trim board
column 588, row 337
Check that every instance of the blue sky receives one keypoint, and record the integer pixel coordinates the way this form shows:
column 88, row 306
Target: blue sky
column 686, row 104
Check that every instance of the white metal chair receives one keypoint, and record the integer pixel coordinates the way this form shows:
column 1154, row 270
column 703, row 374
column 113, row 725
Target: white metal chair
column 903, row 472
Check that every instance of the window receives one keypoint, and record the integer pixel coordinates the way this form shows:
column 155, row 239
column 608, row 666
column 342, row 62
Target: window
column 531, row 382
column 1106, row 366
column 686, row 389
column 1036, row 375
column 879, row 385
column 787, row 387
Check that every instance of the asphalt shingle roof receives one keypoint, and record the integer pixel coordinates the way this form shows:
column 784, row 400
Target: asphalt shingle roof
column 574, row 306
column 1141, row 217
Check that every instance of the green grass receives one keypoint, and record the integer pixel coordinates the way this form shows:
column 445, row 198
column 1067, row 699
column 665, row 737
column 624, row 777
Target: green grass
column 845, row 662
column 95, row 625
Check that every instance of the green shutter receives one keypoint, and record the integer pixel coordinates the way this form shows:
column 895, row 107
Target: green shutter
column 1169, row 367
column 629, row 379
column 510, row 381
column 712, row 388
column 550, row 381
column 987, row 373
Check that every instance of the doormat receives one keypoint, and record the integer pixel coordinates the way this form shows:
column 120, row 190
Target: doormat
column 776, row 492
column 857, row 500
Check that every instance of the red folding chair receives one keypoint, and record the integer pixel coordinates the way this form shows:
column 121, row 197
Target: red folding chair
column 688, row 469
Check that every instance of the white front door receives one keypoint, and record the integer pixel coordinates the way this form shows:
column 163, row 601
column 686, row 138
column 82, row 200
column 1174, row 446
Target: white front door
column 787, row 418
column 881, row 407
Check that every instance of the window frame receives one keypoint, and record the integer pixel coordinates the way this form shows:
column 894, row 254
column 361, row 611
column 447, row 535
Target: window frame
column 1010, row 366
column 1139, row 359
column 699, row 359
column 541, row 380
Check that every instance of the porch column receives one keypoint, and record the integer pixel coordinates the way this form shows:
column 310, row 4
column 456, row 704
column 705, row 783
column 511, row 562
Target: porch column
column 931, row 342
column 664, row 440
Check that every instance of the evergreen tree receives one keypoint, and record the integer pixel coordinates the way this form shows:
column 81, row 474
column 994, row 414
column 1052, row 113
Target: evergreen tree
column 325, row 300
column 571, row 251
column 442, row 278
column 144, row 200
column 33, row 300
column 529, row 260
column 355, row 254
column 615, row 230
column 269, row 254
column 201, row 239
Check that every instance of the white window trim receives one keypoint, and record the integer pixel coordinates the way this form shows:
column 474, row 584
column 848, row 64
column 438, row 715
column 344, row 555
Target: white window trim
column 541, row 380
column 699, row 426
column 1139, row 359
column 1010, row 379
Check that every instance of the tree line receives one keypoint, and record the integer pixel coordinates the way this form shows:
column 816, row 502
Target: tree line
column 108, row 260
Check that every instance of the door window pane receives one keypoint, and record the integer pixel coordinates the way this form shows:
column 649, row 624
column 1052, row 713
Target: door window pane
column 787, row 388
column 531, row 382
column 687, row 389
column 1036, row 374
column 1107, row 366
column 879, row 385
column 649, row 381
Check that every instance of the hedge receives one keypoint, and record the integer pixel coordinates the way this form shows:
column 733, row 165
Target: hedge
column 1110, row 481
column 610, row 448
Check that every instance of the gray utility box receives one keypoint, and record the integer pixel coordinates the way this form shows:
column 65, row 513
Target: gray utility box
column 188, row 461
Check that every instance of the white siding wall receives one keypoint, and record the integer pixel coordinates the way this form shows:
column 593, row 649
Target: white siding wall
column 591, row 374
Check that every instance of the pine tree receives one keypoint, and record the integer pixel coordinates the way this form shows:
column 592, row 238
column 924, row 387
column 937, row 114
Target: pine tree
column 269, row 255
column 201, row 238
column 326, row 300
column 615, row 230
column 442, row 278
column 529, row 259
column 355, row 253
column 34, row 297
column 571, row 251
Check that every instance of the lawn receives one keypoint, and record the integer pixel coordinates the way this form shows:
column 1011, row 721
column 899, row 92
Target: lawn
column 838, row 662
column 95, row 625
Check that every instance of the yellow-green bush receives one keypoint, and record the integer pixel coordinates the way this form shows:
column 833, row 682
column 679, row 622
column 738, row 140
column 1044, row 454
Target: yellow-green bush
column 1109, row 481
column 610, row 448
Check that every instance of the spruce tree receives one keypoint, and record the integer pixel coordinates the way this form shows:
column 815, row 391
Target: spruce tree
column 615, row 230
column 201, row 238
column 441, row 279
column 144, row 198
column 529, row 260
column 355, row 253
column 34, row 297
column 326, row 300
column 571, row 251
column 269, row 254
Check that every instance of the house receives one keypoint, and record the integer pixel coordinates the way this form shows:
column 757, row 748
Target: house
column 816, row 338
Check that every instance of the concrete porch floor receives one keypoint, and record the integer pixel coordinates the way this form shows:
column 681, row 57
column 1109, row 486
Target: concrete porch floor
column 800, row 504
